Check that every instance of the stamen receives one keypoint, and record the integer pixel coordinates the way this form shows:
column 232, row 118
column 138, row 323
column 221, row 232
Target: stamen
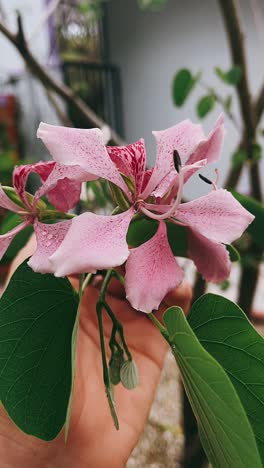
column 207, row 181
column 174, row 206
column 177, row 161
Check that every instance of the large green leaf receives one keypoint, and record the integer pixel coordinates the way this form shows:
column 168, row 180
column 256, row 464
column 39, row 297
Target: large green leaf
column 225, row 332
column 255, row 229
column 37, row 315
column 225, row 430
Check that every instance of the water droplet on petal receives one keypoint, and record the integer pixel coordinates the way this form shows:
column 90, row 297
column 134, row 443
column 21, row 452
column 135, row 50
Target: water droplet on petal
column 48, row 244
column 50, row 236
column 44, row 233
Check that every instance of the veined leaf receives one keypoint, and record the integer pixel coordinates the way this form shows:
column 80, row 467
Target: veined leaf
column 37, row 315
column 226, row 434
column 226, row 333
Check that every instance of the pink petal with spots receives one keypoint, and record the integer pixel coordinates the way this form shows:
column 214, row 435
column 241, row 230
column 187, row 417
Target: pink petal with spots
column 85, row 148
column 6, row 239
column 217, row 216
column 8, row 204
column 21, row 173
column 131, row 161
column 151, row 272
column 211, row 258
column 49, row 237
column 63, row 186
column 93, row 243
column 171, row 180
column 183, row 137
column 210, row 148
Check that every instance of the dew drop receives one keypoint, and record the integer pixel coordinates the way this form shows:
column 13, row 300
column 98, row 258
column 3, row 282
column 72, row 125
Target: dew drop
column 48, row 244
column 50, row 236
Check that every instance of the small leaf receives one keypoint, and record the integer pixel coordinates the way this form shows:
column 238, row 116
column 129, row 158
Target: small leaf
column 225, row 285
column 256, row 152
column 129, row 375
column 231, row 77
column 228, row 103
column 238, row 158
column 183, row 84
column 255, row 229
column 226, row 333
column 227, row 436
column 37, row 315
column 205, row 105
column 233, row 253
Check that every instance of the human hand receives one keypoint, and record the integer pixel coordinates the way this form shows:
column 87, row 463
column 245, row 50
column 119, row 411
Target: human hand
column 93, row 441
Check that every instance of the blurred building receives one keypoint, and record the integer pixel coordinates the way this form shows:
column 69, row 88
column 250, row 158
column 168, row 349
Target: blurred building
column 133, row 50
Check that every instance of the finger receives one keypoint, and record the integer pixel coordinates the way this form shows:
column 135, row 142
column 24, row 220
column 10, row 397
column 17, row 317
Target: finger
column 180, row 296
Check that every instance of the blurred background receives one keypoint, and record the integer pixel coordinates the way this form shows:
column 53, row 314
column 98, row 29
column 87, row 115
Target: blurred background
column 138, row 66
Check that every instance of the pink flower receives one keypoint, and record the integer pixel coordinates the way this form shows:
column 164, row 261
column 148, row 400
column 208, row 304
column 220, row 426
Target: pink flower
column 95, row 242
column 62, row 192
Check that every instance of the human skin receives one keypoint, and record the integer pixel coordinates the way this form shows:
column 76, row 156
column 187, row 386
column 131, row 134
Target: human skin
column 93, row 441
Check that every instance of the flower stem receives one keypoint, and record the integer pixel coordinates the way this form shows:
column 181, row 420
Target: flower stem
column 159, row 325
column 99, row 309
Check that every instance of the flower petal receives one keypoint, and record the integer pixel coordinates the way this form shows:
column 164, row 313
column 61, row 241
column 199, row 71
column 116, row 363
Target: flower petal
column 21, row 173
column 63, row 186
column 217, row 216
column 211, row 258
column 49, row 237
column 131, row 161
column 211, row 147
column 6, row 239
column 8, row 204
column 151, row 271
column 183, row 137
column 85, row 148
column 93, row 243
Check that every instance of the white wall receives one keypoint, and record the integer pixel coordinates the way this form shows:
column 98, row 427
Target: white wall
column 31, row 11
column 149, row 47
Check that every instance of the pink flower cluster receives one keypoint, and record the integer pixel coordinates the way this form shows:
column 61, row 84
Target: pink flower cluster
column 91, row 242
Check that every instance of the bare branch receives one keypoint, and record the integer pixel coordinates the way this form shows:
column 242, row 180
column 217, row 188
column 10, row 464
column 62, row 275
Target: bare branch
column 236, row 42
column 18, row 40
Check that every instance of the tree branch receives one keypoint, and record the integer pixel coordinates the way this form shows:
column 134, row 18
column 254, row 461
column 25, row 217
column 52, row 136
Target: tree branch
column 236, row 42
column 18, row 40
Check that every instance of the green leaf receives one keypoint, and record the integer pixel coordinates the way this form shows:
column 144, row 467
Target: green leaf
column 182, row 85
column 205, row 105
column 10, row 221
column 256, row 152
column 154, row 5
column 233, row 253
column 225, row 332
column 225, row 430
column 231, row 77
column 238, row 158
column 37, row 315
column 255, row 229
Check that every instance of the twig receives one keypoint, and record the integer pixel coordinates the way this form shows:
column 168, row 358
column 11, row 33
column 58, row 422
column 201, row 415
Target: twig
column 18, row 40
column 236, row 42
